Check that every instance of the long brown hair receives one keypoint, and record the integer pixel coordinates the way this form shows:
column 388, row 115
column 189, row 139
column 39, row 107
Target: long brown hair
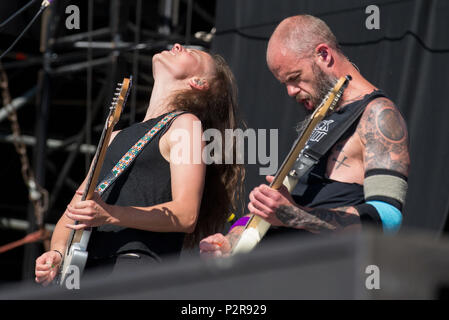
column 216, row 108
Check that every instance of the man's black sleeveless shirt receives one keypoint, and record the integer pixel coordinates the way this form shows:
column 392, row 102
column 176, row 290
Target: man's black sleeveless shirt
column 316, row 190
column 145, row 183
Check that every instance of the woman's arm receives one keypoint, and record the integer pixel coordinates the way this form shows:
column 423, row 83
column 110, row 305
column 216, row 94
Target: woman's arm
column 187, row 183
column 61, row 233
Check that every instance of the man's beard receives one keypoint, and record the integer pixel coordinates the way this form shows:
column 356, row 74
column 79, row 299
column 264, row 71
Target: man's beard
column 323, row 84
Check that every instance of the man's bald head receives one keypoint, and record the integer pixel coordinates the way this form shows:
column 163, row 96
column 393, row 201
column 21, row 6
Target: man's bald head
column 300, row 34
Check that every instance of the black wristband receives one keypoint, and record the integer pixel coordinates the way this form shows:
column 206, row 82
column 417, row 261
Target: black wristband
column 62, row 257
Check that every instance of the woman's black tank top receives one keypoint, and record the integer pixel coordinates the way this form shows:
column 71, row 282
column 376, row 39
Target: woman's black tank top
column 145, row 183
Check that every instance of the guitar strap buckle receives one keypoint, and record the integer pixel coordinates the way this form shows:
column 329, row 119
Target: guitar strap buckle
column 306, row 160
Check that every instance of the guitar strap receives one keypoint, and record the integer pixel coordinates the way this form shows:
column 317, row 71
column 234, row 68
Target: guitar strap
column 132, row 153
column 310, row 156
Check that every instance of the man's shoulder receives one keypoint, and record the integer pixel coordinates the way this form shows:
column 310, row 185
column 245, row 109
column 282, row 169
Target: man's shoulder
column 378, row 104
column 383, row 133
column 381, row 114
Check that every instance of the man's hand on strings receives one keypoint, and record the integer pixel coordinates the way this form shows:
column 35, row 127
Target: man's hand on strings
column 89, row 213
column 264, row 201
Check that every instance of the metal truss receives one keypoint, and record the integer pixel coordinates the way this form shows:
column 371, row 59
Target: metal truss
column 105, row 55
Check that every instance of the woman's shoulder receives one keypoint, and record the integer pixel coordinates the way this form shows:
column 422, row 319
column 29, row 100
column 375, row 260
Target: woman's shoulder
column 185, row 120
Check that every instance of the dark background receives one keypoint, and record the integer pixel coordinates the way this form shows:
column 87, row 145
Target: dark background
column 406, row 57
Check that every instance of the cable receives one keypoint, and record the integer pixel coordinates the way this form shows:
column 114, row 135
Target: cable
column 42, row 8
column 16, row 13
column 345, row 44
column 408, row 32
column 240, row 31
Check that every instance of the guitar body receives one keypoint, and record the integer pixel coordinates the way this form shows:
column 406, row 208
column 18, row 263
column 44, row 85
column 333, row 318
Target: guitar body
column 257, row 227
column 76, row 254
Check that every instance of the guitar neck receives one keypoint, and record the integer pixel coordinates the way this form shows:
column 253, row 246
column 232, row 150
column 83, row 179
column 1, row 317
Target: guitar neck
column 99, row 158
column 281, row 174
column 97, row 163
column 256, row 227
column 289, row 161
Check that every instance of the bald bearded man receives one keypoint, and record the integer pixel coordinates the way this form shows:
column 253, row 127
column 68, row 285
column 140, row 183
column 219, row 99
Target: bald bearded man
column 364, row 176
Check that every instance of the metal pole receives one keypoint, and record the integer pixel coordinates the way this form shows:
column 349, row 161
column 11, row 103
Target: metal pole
column 166, row 13
column 115, row 38
column 32, row 250
column 89, row 84
column 189, row 21
column 132, row 116
column 17, row 103
column 72, row 156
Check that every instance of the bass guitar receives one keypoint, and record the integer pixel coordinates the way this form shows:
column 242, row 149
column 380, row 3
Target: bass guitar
column 256, row 227
column 76, row 250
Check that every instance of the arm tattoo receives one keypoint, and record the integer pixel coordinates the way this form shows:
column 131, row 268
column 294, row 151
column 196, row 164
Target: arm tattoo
column 384, row 134
column 317, row 220
column 387, row 124
column 234, row 235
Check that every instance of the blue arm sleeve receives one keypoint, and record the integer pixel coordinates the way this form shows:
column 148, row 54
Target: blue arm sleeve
column 390, row 216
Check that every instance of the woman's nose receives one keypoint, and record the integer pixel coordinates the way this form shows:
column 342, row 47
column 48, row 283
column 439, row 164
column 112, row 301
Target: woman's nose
column 177, row 47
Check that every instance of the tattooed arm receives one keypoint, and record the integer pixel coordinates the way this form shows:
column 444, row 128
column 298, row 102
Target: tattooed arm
column 384, row 140
column 319, row 220
column 279, row 209
column 384, row 137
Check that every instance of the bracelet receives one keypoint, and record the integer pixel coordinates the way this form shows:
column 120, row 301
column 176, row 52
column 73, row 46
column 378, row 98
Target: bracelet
column 62, row 257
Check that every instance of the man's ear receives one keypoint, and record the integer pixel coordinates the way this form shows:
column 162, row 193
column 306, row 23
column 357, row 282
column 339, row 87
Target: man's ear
column 199, row 84
column 324, row 54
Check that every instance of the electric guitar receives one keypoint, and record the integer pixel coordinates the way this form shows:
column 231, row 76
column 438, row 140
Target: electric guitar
column 76, row 250
column 256, row 227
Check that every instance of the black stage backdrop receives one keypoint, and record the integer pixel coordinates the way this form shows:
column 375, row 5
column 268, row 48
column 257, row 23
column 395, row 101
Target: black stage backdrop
column 407, row 57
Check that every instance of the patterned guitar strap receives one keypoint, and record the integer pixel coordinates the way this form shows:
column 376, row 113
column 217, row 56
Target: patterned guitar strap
column 132, row 153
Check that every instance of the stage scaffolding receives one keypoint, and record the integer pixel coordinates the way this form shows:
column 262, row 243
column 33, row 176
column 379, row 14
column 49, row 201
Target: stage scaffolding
column 105, row 56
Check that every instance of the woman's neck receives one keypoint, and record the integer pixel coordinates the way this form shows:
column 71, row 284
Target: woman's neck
column 160, row 99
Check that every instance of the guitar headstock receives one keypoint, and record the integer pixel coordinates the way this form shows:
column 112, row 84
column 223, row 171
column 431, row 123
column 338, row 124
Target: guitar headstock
column 119, row 100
